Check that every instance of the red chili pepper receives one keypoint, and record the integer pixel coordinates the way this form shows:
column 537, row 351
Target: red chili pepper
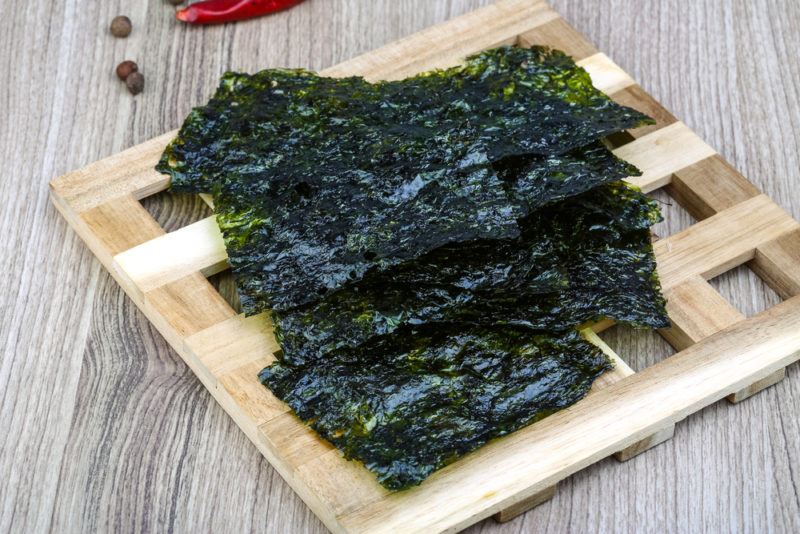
column 215, row 11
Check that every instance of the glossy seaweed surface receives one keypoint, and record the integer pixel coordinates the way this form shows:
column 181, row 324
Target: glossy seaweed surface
column 417, row 402
column 388, row 171
column 585, row 259
column 428, row 247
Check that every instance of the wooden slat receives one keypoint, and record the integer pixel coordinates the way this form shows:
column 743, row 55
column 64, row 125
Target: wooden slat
column 232, row 344
column 118, row 225
column 193, row 248
column 231, row 353
column 656, row 438
column 757, row 386
column 297, row 442
column 637, row 98
column 345, row 486
column 721, row 242
column 777, row 262
column 710, row 186
column 238, row 341
column 231, row 347
column 257, row 403
column 662, row 153
column 110, row 228
column 696, row 311
column 559, row 34
column 621, row 370
column 533, row 459
column 129, row 173
column 606, row 75
column 519, row 508
column 185, row 307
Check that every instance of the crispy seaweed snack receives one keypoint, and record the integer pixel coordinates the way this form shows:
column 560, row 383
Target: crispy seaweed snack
column 268, row 263
column 418, row 401
column 581, row 260
column 320, row 180
column 428, row 247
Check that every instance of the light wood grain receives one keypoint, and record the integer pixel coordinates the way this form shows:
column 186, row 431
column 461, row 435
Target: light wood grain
column 606, row 75
column 195, row 247
column 662, row 153
column 183, row 306
column 656, row 438
column 109, row 421
column 620, row 371
column 697, row 311
column 517, row 509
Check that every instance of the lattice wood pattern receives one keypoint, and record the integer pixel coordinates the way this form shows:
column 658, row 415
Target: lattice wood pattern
column 721, row 353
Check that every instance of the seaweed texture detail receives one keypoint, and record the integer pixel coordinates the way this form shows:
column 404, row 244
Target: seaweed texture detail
column 427, row 247
column 388, row 171
column 407, row 409
column 585, row 259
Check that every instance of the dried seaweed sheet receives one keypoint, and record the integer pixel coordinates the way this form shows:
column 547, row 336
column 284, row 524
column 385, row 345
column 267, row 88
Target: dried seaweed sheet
column 426, row 284
column 585, row 259
column 387, row 171
column 421, row 400
column 267, row 263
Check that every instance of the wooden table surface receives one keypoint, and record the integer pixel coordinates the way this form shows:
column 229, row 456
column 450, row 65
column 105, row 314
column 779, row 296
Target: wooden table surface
column 103, row 428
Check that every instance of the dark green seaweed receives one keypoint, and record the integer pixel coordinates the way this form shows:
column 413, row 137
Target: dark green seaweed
column 428, row 247
column 391, row 170
column 421, row 400
column 585, row 259
column 269, row 263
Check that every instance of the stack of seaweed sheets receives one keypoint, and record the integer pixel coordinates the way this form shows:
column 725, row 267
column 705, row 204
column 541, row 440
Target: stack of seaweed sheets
column 427, row 248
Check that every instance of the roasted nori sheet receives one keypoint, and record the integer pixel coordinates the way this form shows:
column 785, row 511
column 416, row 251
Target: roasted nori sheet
column 582, row 260
column 428, row 247
column 270, row 262
column 391, row 170
column 420, row 400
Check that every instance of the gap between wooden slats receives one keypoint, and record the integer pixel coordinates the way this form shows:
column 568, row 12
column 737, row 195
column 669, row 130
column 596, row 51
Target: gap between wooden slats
column 696, row 309
column 713, row 185
column 721, row 242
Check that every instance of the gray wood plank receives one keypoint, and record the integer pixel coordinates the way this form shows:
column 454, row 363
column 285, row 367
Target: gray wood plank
column 103, row 426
